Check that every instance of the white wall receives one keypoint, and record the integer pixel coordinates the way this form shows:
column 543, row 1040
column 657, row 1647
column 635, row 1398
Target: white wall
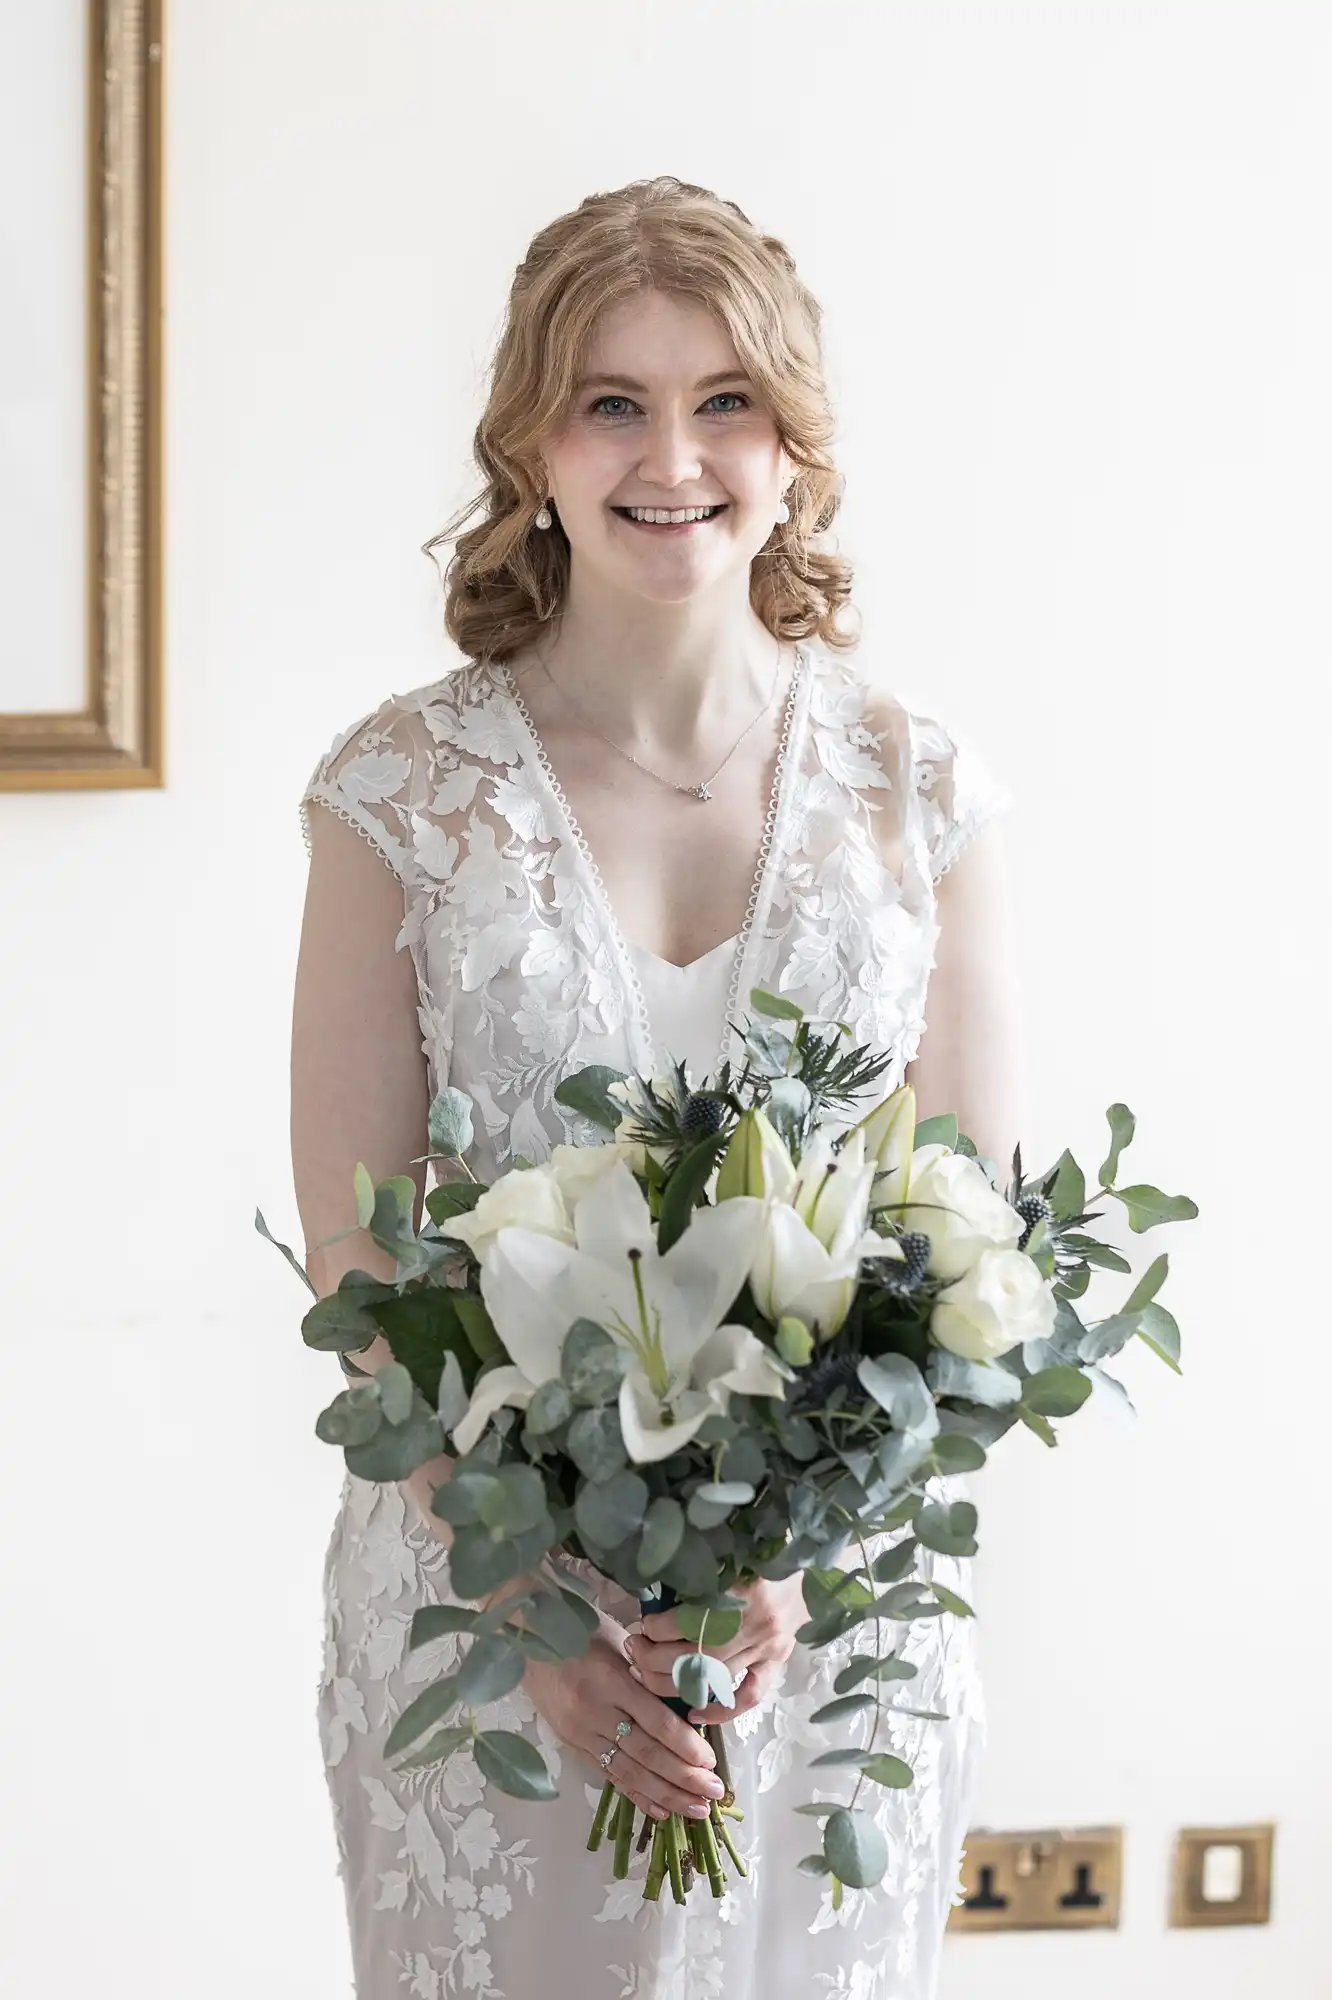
column 1074, row 261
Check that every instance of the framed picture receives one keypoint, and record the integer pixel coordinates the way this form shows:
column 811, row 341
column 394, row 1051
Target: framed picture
column 81, row 682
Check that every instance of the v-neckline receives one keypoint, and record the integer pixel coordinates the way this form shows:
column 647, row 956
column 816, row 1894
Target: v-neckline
column 797, row 707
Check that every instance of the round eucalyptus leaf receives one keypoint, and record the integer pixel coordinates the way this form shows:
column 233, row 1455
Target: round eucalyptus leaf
column 700, row 1678
column 856, row 1848
column 608, row 1511
column 663, row 1526
column 595, row 1442
column 951, row 1530
column 705, row 1627
column 592, row 1365
column 514, row 1501
column 551, row 1406
column 1058, row 1392
column 813, row 1864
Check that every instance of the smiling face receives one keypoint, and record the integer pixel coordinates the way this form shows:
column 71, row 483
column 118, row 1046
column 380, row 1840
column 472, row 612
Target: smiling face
column 665, row 418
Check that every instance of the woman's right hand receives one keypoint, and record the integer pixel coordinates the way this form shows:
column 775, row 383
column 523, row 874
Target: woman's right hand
column 663, row 1764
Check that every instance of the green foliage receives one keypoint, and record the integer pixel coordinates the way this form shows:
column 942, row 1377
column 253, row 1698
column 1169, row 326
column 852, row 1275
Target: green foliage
column 607, row 1513
column 515, row 1765
column 587, row 1090
column 592, row 1365
column 855, row 1847
column 450, row 1122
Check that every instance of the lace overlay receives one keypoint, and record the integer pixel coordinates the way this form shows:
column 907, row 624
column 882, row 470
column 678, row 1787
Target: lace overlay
column 453, row 1888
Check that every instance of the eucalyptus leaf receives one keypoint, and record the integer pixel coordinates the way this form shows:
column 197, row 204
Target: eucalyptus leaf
column 938, row 1131
column 953, row 1452
column 491, row 1668
column 551, row 1406
column 1056, row 1392
column 813, row 1864
column 701, row 1678
column 395, row 1391
column 702, row 1626
column 1121, row 1134
column 1041, row 1425
column 894, row 1563
column 514, row 1501
column 983, row 1382
column 775, row 1005
column 421, row 1715
column 436, row 1748
column 514, row 1764
column 888, row 1770
column 452, row 1399
column 663, row 1526
column 608, row 1511
column 1147, row 1206
column 395, row 1451
column 949, row 1530
column 1160, row 1330
column 591, row 1363
column 1107, row 1336
column 352, row 1418
column 837, row 1760
column 847, row 1704
column 587, row 1092
column 897, row 1386
column 952, row 1602
column 863, row 1665
column 856, row 1848
column 433, row 1621
column 595, row 1442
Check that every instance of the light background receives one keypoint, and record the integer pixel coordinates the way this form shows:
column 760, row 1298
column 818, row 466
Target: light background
column 1074, row 260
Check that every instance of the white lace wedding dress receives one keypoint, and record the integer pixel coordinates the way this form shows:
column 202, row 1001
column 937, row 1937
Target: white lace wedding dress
column 454, row 1888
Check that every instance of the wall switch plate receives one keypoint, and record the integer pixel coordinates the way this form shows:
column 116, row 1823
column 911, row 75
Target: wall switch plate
column 1064, row 1879
column 1223, row 1875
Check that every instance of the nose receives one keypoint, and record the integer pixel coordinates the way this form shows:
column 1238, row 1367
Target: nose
column 670, row 455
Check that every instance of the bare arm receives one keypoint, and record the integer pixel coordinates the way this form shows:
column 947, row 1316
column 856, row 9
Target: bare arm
column 359, row 1081
column 972, row 1058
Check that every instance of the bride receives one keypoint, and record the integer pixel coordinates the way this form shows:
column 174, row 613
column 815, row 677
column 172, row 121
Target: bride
column 660, row 776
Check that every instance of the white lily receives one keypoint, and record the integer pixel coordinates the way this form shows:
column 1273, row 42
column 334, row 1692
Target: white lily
column 668, row 1311
column 809, row 1258
column 890, row 1134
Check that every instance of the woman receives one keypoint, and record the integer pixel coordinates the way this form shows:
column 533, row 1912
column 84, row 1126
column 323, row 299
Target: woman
column 656, row 781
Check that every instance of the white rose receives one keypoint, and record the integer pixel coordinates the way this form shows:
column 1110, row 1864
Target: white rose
column 575, row 1168
column 966, row 1215
column 524, row 1198
column 1001, row 1301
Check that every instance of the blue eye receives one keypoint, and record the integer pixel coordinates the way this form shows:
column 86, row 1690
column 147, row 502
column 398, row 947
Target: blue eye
column 611, row 417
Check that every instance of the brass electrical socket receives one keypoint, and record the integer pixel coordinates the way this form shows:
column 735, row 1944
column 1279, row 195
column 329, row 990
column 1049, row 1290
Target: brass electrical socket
column 1061, row 1879
column 1223, row 1875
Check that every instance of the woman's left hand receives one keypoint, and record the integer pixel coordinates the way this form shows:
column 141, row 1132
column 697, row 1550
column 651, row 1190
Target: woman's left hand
column 756, row 1656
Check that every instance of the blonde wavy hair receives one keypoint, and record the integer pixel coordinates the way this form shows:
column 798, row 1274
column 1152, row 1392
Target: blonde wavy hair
column 506, row 579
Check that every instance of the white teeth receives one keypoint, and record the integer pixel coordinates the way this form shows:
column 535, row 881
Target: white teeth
column 662, row 514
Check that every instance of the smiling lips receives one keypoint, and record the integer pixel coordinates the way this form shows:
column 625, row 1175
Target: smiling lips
column 669, row 527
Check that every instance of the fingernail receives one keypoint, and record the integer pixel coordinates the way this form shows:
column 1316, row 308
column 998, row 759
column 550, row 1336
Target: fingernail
column 628, row 1649
column 714, row 1787
column 637, row 1626
column 699, row 1811
column 635, row 1675
column 696, row 1715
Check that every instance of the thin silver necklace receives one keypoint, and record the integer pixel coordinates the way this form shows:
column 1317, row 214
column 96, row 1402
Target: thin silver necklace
column 699, row 791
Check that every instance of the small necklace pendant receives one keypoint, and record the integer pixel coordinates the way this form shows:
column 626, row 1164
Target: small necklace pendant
column 701, row 791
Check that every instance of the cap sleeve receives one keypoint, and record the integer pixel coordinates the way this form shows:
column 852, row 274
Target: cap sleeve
column 369, row 776
column 956, row 791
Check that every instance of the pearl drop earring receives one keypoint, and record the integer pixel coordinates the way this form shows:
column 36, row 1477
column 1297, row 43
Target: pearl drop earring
column 783, row 511
column 543, row 518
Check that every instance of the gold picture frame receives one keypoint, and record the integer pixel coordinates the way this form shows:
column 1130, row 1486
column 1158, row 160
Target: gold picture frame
column 116, row 738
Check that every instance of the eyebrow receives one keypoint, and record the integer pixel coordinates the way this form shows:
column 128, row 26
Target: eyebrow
column 641, row 388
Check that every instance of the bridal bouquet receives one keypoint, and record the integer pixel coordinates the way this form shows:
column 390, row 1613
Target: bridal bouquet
column 732, row 1340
